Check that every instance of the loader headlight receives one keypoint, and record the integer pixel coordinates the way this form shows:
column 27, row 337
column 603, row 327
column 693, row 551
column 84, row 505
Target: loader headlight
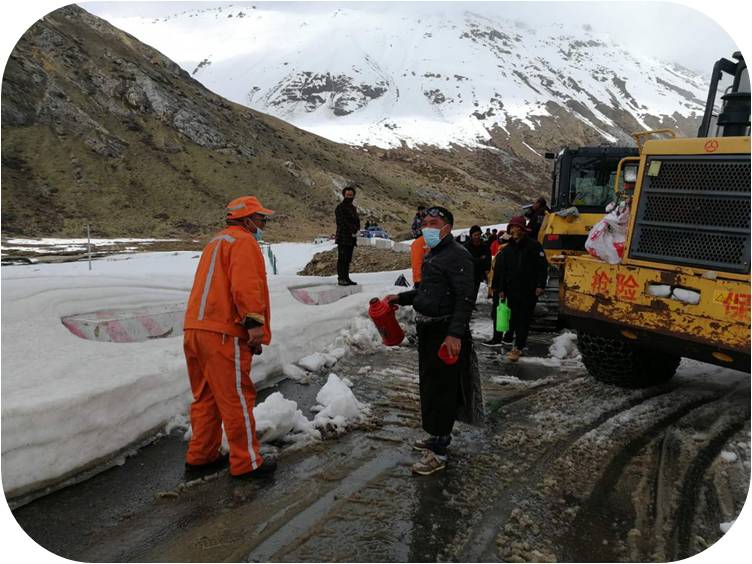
column 630, row 173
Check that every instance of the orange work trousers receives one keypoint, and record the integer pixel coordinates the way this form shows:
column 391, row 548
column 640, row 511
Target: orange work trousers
column 219, row 368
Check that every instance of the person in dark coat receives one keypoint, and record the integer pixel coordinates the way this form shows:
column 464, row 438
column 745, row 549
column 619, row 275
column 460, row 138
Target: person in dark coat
column 417, row 222
column 535, row 216
column 520, row 278
column 348, row 225
column 481, row 253
column 443, row 305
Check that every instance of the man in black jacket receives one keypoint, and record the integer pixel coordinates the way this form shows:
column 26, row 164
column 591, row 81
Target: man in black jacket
column 443, row 305
column 535, row 216
column 481, row 253
column 348, row 225
column 520, row 278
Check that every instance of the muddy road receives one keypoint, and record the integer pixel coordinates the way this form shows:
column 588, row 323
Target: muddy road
column 566, row 469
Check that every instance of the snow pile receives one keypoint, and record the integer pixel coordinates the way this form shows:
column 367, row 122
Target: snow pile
column 317, row 361
column 278, row 418
column 293, row 372
column 564, row 346
column 338, row 405
column 68, row 402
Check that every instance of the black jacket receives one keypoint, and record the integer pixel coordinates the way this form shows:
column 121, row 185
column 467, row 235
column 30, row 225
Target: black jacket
column 348, row 224
column 447, row 287
column 520, row 268
column 481, row 257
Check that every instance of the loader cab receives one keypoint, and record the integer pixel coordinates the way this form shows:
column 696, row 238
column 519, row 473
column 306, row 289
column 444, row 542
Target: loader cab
column 584, row 177
column 728, row 105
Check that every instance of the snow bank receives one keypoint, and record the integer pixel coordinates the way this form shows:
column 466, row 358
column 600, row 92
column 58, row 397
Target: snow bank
column 68, row 403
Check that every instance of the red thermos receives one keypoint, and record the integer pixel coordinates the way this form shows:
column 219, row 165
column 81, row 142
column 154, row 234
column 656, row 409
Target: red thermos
column 382, row 315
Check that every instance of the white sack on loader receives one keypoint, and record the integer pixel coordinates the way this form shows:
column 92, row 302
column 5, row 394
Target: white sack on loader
column 606, row 239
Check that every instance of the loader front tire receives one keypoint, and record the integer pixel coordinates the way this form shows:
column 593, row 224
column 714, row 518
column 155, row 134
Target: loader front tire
column 619, row 362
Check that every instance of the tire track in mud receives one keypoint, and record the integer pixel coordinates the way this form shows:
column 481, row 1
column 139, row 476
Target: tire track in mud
column 481, row 546
column 608, row 497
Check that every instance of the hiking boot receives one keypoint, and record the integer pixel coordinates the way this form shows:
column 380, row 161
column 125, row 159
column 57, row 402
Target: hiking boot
column 343, row 283
column 429, row 464
column 266, row 469
column 196, row 471
column 495, row 342
column 351, row 282
column 514, row 355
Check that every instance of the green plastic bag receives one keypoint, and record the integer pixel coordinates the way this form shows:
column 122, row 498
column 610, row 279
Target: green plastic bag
column 503, row 313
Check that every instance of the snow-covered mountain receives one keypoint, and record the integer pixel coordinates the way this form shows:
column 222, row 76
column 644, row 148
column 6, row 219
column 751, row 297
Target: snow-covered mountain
column 452, row 76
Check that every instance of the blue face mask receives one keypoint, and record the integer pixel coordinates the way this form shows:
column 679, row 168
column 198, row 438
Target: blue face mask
column 432, row 236
column 259, row 234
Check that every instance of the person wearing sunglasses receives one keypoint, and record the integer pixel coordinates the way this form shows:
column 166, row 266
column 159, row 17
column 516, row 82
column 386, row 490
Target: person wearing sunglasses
column 443, row 304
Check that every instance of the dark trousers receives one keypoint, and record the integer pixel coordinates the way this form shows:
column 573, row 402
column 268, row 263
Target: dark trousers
column 440, row 385
column 494, row 306
column 478, row 279
column 344, row 257
column 522, row 308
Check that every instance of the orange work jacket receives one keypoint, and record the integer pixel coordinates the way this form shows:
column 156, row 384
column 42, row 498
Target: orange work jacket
column 230, row 286
column 417, row 252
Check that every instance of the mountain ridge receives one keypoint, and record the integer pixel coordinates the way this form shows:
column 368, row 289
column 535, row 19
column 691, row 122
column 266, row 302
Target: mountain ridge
column 100, row 129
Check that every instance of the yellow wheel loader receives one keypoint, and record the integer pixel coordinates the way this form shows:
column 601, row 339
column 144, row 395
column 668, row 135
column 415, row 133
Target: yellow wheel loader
column 682, row 288
column 583, row 184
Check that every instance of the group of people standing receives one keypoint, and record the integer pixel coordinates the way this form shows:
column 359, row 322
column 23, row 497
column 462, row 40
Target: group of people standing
column 228, row 321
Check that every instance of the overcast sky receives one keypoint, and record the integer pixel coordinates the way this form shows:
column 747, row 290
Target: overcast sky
column 678, row 32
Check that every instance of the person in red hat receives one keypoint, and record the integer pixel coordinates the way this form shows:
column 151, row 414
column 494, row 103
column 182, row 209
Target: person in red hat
column 520, row 278
column 227, row 321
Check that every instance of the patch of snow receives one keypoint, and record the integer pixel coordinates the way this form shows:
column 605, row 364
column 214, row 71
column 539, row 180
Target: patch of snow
column 339, row 406
column 564, row 346
column 729, row 457
column 726, row 526
column 549, row 362
column 278, row 418
column 293, row 372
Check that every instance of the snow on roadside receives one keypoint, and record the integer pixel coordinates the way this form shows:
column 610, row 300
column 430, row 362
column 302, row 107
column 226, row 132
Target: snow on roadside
column 279, row 418
column 68, row 401
column 338, row 405
column 564, row 346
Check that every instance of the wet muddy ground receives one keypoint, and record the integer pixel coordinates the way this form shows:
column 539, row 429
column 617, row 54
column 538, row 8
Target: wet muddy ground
column 565, row 469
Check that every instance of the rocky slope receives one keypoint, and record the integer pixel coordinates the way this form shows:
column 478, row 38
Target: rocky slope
column 99, row 128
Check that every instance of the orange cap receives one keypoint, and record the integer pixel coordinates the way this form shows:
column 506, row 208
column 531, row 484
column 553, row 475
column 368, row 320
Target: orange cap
column 245, row 206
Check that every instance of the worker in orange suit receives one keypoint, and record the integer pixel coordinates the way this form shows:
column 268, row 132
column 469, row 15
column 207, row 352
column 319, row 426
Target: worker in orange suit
column 417, row 252
column 226, row 322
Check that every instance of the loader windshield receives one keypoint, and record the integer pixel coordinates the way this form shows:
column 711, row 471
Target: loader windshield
column 592, row 182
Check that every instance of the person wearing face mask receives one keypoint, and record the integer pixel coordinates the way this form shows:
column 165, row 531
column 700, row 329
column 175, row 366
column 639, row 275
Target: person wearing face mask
column 227, row 321
column 348, row 225
column 443, row 304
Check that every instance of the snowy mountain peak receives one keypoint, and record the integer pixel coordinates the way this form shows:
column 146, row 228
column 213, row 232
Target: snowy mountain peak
column 399, row 76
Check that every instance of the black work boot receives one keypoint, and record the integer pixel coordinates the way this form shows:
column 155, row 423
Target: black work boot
column 196, row 471
column 266, row 469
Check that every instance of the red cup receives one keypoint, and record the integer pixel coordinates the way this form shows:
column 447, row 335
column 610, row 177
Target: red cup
column 446, row 357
